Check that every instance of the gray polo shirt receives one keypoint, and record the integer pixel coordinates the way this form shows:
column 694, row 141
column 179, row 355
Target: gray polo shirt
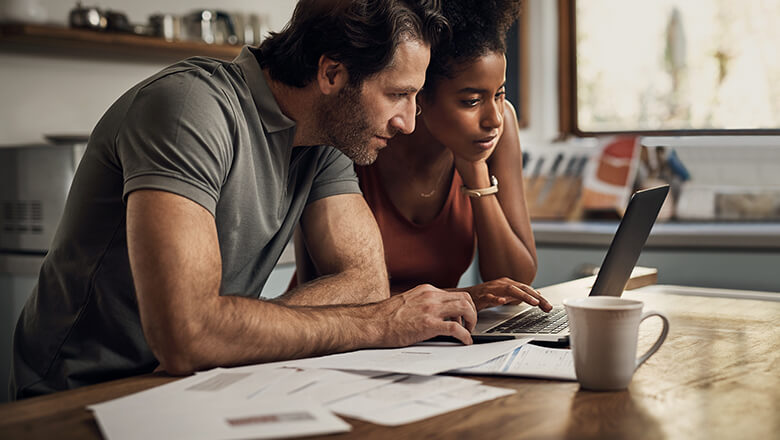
column 204, row 129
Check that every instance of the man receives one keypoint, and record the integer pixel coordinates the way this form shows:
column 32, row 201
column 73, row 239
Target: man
column 191, row 186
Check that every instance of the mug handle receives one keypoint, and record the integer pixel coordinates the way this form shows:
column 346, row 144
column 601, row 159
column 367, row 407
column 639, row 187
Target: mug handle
column 658, row 341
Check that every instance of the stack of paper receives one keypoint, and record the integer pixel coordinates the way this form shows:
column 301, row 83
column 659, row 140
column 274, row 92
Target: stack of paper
column 296, row 398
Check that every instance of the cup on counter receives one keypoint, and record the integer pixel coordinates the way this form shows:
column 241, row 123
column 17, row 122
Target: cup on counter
column 604, row 332
column 166, row 26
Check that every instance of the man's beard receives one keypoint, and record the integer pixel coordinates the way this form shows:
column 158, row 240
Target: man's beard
column 345, row 125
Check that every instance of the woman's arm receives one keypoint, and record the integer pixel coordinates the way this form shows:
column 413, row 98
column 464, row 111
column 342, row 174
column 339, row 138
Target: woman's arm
column 504, row 237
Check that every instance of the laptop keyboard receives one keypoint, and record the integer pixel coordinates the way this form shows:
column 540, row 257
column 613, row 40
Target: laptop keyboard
column 535, row 321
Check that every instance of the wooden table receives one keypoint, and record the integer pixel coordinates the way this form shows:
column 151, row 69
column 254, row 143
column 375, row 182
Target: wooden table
column 717, row 376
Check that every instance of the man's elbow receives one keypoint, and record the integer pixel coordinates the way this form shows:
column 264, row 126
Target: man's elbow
column 177, row 350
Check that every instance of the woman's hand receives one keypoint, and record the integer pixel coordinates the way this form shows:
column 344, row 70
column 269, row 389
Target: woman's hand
column 506, row 291
column 474, row 174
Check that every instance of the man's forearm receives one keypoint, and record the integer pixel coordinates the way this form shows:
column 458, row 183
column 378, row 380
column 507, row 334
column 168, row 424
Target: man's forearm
column 235, row 330
column 230, row 330
column 350, row 287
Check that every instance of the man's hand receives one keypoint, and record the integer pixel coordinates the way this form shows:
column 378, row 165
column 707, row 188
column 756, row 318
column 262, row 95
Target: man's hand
column 506, row 291
column 424, row 312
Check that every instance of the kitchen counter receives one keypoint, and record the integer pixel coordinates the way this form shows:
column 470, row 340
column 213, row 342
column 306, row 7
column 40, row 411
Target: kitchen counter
column 680, row 235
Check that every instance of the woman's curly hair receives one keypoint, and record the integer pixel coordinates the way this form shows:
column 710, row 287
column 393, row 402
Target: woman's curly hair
column 478, row 27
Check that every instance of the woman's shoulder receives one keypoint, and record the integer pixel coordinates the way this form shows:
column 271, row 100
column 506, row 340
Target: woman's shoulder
column 508, row 148
column 510, row 114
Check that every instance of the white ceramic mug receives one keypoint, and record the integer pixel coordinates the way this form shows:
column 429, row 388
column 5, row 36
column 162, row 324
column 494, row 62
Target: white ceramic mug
column 604, row 332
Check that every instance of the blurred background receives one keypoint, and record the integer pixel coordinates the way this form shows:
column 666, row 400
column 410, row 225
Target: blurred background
column 612, row 96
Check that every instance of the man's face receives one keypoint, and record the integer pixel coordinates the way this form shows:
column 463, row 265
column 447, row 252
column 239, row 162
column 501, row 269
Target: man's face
column 360, row 120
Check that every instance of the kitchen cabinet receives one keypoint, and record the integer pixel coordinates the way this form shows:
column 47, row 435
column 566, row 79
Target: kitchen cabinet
column 64, row 41
column 742, row 255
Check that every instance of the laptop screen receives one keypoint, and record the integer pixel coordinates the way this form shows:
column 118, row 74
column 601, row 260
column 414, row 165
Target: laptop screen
column 628, row 241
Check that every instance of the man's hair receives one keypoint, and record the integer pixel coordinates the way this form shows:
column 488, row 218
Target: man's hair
column 478, row 27
column 361, row 34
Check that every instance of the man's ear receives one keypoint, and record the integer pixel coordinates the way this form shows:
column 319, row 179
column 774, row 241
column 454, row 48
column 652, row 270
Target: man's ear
column 331, row 75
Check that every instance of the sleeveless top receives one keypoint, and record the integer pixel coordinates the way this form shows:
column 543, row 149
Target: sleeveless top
column 438, row 252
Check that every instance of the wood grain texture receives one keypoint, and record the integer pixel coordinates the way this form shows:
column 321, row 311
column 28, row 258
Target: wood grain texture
column 716, row 377
column 58, row 40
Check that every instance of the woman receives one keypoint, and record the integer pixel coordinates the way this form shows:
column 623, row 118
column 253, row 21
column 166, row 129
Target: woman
column 435, row 193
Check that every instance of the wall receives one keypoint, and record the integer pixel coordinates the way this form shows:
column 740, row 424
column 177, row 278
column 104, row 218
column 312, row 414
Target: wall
column 543, row 81
column 67, row 95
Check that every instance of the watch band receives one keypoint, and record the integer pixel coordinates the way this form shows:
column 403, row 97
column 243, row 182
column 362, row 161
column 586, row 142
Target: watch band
column 477, row 193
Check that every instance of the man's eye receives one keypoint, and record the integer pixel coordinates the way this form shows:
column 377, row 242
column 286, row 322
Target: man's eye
column 500, row 94
column 470, row 102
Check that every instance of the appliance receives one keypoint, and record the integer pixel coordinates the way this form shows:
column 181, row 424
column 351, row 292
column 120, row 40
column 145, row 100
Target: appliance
column 34, row 184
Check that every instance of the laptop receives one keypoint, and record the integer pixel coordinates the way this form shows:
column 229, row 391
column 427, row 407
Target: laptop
column 523, row 320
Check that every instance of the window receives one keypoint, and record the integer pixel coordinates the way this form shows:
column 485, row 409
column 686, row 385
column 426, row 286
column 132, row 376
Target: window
column 670, row 66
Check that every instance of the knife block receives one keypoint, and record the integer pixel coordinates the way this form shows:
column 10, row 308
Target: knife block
column 561, row 201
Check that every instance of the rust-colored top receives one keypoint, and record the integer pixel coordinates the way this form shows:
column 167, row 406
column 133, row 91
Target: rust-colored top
column 438, row 252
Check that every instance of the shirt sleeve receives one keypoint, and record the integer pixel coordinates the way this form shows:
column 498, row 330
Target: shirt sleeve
column 177, row 137
column 336, row 176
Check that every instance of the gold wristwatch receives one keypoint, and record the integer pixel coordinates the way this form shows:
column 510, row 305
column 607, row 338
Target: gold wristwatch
column 477, row 193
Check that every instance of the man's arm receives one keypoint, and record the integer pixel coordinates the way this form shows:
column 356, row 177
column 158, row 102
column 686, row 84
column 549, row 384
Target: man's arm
column 176, row 266
column 340, row 249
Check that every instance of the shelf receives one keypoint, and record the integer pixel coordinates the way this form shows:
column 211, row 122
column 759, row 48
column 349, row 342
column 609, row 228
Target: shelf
column 58, row 40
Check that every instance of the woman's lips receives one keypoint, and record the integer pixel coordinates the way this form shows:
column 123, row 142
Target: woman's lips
column 486, row 143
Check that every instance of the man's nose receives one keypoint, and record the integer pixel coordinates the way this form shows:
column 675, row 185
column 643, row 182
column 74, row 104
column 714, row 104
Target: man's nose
column 405, row 120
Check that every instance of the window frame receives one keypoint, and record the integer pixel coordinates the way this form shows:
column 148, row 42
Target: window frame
column 567, row 86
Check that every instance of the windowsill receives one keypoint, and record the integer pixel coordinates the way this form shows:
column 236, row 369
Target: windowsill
column 689, row 235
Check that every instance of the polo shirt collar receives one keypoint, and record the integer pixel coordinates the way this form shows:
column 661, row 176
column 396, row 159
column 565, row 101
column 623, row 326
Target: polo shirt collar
column 272, row 116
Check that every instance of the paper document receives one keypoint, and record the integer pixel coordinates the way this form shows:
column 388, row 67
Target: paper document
column 423, row 360
column 213, row 386
column 421, row 408
column 239, row 420
column 405, row 390
column 226, row 403
column 530, row 361
column 324, row 386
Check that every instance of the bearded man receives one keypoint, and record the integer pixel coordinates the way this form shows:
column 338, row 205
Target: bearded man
column 191, row 186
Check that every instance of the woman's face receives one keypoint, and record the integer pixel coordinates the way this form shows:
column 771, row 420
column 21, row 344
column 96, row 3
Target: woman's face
column 466, row 113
